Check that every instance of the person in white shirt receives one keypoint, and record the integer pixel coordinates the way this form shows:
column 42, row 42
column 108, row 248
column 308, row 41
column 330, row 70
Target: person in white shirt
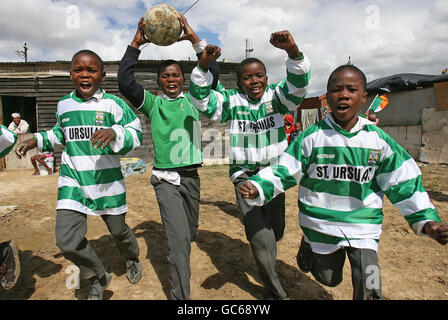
column 18, row 125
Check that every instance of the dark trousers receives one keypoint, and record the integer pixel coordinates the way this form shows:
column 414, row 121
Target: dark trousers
column 179, row 210
column 264, row 226
column 71, row 228
column 328, row 268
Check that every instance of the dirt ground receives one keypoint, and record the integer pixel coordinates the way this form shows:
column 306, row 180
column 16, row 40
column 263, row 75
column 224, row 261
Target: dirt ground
column 222, row 266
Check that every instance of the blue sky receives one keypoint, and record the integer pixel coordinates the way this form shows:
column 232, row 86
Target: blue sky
column 381, row 37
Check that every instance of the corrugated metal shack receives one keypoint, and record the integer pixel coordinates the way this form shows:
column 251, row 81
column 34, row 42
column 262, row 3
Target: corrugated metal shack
column 34, row 88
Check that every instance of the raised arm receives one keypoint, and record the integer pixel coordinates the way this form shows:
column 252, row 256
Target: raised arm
column 213, row 104
column 199, row 46
column 291, row 91
column 127, row 83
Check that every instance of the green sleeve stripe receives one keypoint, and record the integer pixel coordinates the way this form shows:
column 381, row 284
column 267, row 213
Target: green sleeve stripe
column 266, row 185
column 128, row 144
column 297, row 100
column 299, row 80
column 427, row 214
column 200, row 93
column 405, row 190
column 286, row 179
column 47, row 146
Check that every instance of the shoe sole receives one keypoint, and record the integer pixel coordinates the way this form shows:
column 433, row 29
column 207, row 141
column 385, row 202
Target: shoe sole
column 134, row 281
column 17, row 262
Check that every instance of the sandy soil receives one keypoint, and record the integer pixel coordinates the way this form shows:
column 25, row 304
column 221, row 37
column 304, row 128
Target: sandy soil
column 222, row 265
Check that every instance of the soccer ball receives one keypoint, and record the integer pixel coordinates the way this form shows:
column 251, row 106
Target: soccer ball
column 162, row 26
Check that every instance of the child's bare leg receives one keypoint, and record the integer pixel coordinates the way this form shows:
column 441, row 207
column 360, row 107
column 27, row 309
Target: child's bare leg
column 33, row 162
column 42, row 162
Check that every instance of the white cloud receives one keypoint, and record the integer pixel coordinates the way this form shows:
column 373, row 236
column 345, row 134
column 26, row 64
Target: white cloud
column 412, row 35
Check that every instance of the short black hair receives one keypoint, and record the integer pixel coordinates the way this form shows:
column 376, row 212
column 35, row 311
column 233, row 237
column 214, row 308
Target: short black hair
column 242, row 64
column 351, row 68
column 90, row 52
column 167, row 63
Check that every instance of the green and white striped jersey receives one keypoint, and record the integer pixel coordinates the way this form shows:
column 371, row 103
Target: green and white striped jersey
column 7, row 140
column 90, row 179
column 342, row 179
column 256, row 128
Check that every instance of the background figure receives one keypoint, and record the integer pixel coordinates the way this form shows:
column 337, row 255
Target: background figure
column 296, row 132
column 289, row 126
column 18, row 125
column 40, row 157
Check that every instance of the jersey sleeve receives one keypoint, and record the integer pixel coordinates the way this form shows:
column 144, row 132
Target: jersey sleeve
column 291, row 91
column 284, row 174
column 128, row 131
column 127, row 83
column 7, row 141
column 47, row 141
column 212, row 103
column 400, row 178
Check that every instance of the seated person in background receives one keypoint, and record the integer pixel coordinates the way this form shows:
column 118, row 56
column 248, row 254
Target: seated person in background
column 18, row 125
column 40, row 157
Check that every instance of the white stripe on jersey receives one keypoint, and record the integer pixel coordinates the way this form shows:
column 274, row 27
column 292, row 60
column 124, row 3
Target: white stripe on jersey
column 333, row 228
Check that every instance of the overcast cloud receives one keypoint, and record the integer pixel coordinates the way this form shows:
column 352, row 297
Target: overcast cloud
column 381, row 37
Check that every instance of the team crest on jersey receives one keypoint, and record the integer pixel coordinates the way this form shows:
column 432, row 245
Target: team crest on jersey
column 269, row 107
column 374, row 155
column 99, row 118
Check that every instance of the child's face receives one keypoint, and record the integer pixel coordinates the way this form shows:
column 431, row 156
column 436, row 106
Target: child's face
column 171, row 80
column 298, row 126
column 86, row 74
column 345, row 96
column 253, row 80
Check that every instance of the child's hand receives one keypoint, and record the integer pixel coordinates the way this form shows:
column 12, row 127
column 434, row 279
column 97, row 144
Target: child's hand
column 438, row 231
column 189, row 33
column 248, row 190
column 102, row 137
column 26, row 145
column 210, row 53
column 139, row 37
column 284, row 40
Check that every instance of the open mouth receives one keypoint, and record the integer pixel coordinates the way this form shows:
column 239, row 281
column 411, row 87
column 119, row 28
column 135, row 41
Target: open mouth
column 171, row 87
column 343, row 107
column 85, row 86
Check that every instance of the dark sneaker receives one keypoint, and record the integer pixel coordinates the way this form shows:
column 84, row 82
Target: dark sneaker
column 11, row 267
column 98, row 287
column 133, row 270
column 304, row 256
